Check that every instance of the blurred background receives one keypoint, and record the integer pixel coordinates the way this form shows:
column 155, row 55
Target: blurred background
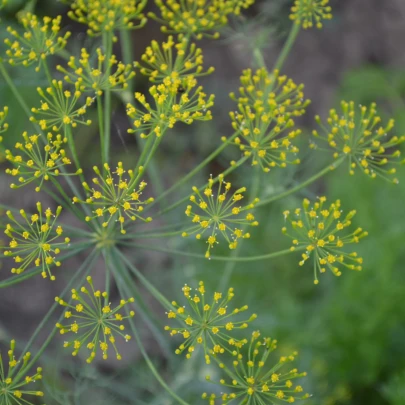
column 349, row 331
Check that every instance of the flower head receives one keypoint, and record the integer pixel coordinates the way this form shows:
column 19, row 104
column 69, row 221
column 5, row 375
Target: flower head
column 108, row 15
column 359, row 135
column 207, row 322
column 197, row 18
column 38, row 162
column 36, row 240
column 116, row 198
column 220, row 213
column 107, row 74
column 252, row 380
column 93, row 321
column 310, row 13
column 267, row 105
column 317, row 228
column 175, row 101
column 59, row 107
column 160, row 62
column 39, row 40
column 13, row 384
column 3, row 123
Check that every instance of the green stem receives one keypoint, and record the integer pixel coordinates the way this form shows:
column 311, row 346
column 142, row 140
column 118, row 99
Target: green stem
column 217, row 258
column 151, row 235
column 72, row 147
column 107, row 43
column 295, row 29
column 100, row 114
column 315, row 177
column 258, row 58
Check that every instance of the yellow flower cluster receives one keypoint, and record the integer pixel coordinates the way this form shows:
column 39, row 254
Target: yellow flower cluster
column 220, row 213
column 251, row 380
column 93, row 321
column 109, row 73
column 13, row 383
column 267, row 103
column 209, row 324
column 310, row 13
column 175, row 101
column 108, row 15
column 39, row 40
column 59, row 107
column 117, row 199
column 317, row 227
column 35, row 240
column 197, row 17
column 160, row 62
column 3, row 123
column 36, row 161
column 361, row 137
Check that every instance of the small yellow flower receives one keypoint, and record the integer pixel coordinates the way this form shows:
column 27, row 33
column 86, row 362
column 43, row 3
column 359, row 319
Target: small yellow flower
column 317, row 228
column 108, row 15
column 118, row 198
column 39, row 40
column 35, row 241
column 357, row 134
column 13, row 382
column 310, row 13
column 3, row 123
column 207, row 322
column 252, row 380
column 93, row 322
column 220, row 214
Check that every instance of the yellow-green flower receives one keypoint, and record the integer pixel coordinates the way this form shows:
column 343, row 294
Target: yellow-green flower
column 197, row 18
column 116, row 198
column 174, row 60
column 317, row 228
column 358, row 134
column 39, row 40
column 108, row 74
column 175, row 101
column 251, row 380
column 60, row 107
column 35, row 240
column 220, row 213
column 207, row 322
column 93, row 321
column 3, row 123
column 38, row 161
column 310, row 13
column 3, row 3
column 108, row 15
column 267, row 105
column 14, row 383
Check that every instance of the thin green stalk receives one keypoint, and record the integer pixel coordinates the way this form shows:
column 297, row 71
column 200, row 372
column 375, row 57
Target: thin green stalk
column 151, row 235
column 72, row 147
column 292, row 36
column 258, row 58
column 197, row 169
column 100, row 114
column 107, row 43
column 300, row 186
column 217, row 258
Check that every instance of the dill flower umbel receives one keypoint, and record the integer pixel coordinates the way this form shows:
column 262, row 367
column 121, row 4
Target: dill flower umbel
column 35, row 240
column 310, row 13
column 3, row 123
column 267, row 104
column 197, row 18
column 159, row 61
column 207, row 322
column 37, row 161
column 39, row 40
column 94, row 322
column 175, row 101
column 251, row 380
column 59, row 107
column 358, row 134
column 220, row 213
column 108, row 15
column 116, row 199
column 108, row 73
column 13, row 387
column 317, row 227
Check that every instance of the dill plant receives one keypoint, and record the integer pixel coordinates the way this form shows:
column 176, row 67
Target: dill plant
column 111, row 204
